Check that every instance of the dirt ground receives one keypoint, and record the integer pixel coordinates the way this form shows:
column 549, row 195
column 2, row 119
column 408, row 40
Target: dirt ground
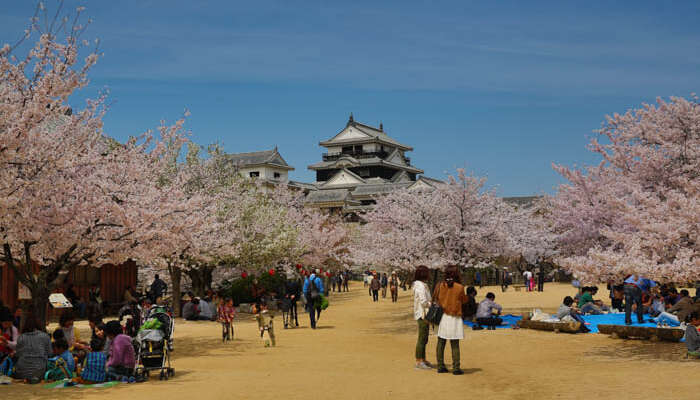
column 365, row 350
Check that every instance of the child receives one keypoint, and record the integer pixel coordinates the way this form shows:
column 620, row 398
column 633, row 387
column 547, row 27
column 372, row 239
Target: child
column 60, row 348
column 122, row 358
column 264, row 318
column 692, row 336
column 94, row 367
column 226, row 312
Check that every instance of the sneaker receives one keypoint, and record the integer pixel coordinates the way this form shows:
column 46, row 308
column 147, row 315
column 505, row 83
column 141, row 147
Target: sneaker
column 124, row 379
column 442, row 370
column 458, row 372
column 428, row 364
column 5, row 380
column 422, row 366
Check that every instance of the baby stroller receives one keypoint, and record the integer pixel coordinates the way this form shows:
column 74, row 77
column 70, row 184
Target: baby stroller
column 154, row 343
column 130, row 318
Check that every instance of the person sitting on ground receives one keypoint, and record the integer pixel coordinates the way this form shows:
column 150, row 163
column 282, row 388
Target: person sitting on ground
column 95, row 364
column 94, row 321
column 567, row 308
column 8, row 334
column 469, row 308
column 692, row 336
column 678, row 312
column 33, row 350
column 485, row 315
column 618, row 298
column 587, row 305
column 60, row 349
column 129, row 296
column 205, row 311
column 122, row 358
column 672, row 297
column 189, row 309
column 67, row 324
column 75, row 300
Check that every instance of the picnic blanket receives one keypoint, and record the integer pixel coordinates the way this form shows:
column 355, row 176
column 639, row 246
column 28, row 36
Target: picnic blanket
column 68, row 384
column 592, row 321
column 509, row 320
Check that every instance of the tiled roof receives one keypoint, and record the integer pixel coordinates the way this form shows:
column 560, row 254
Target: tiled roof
column 267, row 157
column 363, row 162
column 521, row 200
column 372, row 132
column 328, row 196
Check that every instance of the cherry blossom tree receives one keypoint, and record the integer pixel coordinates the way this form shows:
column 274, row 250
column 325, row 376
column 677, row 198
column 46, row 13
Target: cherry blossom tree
column 638, row 211
column 456, row 223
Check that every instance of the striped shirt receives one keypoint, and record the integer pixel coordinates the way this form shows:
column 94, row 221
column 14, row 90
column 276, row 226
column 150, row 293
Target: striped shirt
column 94, row 367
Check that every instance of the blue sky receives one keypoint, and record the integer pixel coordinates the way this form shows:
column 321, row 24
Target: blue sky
column 502, row 88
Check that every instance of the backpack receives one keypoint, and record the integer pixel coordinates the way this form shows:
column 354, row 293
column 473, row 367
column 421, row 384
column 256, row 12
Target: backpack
column 57, row 370
column 313, row 290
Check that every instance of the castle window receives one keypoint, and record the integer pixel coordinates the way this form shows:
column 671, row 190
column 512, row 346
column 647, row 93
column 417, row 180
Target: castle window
column 277, row 175
column 254, row 174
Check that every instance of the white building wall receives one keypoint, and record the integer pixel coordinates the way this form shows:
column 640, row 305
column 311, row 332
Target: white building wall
column 266, row 172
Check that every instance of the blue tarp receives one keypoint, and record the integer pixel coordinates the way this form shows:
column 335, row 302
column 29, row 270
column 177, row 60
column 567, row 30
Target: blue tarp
column 508, row 321
column 592, row 321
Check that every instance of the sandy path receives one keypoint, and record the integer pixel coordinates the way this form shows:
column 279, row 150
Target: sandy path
column 364, row 350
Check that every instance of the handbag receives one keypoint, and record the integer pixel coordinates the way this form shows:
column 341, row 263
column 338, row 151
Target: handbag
column 434, row 315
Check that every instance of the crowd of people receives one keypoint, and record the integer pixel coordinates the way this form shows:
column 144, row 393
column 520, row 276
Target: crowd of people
column 376, row 281
column 107, row 355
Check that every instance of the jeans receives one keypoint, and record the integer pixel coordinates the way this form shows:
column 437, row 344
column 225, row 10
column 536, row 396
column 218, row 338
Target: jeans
column 633, row 294
column 118, row 372
column 314, row 315
column 384, row 292
column 423, row 333
column 395, row 295
column 293, row 313
column 375, row 295
column 454, row 344
column 668, row 318
column 591, row 308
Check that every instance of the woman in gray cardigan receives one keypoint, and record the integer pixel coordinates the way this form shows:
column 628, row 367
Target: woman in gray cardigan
column 33, row 351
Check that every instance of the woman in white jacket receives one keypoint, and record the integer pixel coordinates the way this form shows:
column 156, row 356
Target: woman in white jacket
column 421, row 303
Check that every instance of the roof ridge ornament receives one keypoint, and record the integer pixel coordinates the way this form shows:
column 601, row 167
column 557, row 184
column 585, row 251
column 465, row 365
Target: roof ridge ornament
column 351, row 120
column 381, row 126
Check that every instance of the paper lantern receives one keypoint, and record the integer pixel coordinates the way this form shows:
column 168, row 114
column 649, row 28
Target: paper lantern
column 328, row 274
column 244, row 274
column 271, row 271
column 298, row 266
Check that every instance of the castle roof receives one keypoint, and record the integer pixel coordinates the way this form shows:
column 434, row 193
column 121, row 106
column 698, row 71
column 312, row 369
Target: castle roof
column 359, row 133
column 259, row 158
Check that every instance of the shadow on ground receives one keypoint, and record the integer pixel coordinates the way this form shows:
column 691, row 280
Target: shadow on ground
column 640, row 350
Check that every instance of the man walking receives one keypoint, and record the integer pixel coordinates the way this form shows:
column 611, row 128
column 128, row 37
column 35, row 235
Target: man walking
column 374, row 287
column 292, row 291
column 540, row 279
column 313, row 288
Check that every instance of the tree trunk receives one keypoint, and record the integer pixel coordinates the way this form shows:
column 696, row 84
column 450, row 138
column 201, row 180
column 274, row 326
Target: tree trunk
column 40, row 300
column 176, row 282
column 201, row 278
